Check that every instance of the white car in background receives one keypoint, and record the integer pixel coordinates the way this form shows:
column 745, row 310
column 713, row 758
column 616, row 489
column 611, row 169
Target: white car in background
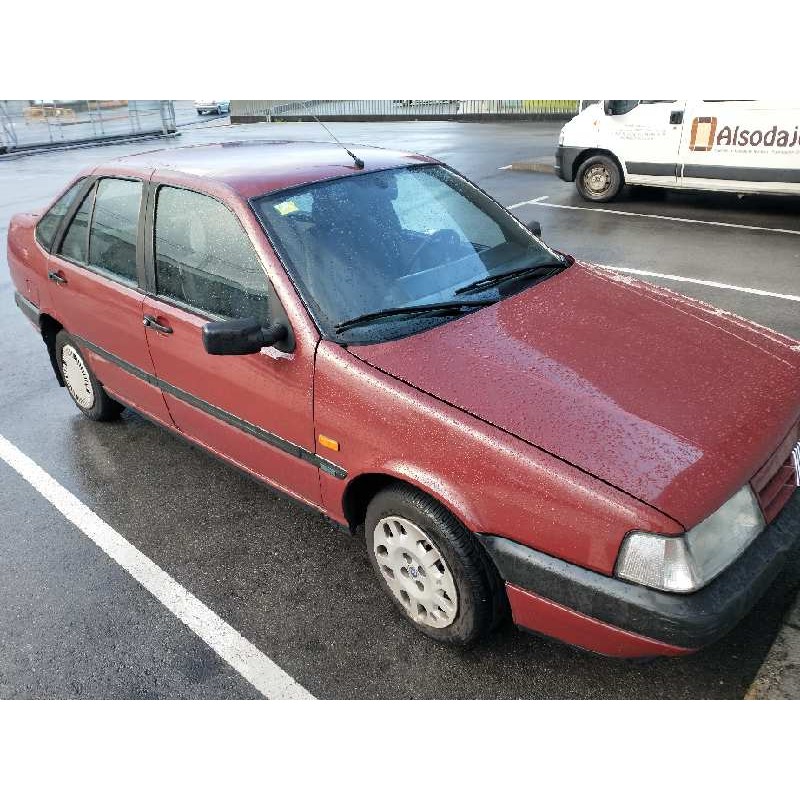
column 212, row 106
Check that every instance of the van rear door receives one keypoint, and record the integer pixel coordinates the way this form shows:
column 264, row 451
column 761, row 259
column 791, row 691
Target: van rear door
column 648, row 140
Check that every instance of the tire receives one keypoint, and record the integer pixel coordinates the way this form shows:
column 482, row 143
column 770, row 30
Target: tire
column 599, row 179
column 199, row 113
column 85, row 390
column 432, row 567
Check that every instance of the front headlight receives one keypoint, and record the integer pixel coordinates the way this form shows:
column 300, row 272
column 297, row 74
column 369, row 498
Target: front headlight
column 687, row 563
column 561, row 136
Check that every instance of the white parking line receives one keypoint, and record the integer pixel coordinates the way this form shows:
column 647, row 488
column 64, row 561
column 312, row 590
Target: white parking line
column 716, row 284
column 539, row 201
column 528, row 202
column 229, row 644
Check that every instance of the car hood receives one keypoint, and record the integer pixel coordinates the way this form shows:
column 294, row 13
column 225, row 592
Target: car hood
column 671, row 400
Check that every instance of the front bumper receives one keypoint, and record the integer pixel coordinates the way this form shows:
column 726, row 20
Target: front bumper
column 619, row 618
column 565, row 162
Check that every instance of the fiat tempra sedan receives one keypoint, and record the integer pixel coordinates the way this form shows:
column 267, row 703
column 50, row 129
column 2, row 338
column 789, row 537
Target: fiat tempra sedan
column 372, row 334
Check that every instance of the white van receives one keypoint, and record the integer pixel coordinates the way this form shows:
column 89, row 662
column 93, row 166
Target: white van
column 742, row 146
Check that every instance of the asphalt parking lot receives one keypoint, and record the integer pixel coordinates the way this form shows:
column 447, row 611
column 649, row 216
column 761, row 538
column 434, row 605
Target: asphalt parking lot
column 75, row 624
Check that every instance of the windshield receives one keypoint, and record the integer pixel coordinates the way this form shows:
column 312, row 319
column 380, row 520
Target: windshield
column 394, row 239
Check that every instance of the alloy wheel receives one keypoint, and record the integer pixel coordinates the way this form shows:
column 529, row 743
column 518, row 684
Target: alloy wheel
column 415, row 572
column 76, row 377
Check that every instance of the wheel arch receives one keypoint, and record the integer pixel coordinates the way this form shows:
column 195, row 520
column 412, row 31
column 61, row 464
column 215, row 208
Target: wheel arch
column 597, row 151
column 362, row 488
column 50, row 326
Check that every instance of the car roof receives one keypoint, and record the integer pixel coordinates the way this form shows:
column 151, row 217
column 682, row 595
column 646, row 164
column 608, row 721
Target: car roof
column 255, row 167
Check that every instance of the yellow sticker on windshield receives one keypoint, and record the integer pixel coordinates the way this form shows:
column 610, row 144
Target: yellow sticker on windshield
column 286, row 207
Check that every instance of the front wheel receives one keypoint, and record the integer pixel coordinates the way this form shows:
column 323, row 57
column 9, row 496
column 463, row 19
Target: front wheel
column 599, row 179
column 84, row 388
column 431, row 566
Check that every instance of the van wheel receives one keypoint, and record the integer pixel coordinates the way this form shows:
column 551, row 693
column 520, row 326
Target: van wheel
column 82, row 385
column 599, row 179
column 431, row 566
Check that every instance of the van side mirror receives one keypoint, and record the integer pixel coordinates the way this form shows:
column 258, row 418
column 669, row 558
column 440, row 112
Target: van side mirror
column 239, row 337
column 535, row 227
column 615, row 108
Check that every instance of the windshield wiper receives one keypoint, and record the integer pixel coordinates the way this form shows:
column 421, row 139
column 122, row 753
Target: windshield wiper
column 442, row 308
column 493, row 280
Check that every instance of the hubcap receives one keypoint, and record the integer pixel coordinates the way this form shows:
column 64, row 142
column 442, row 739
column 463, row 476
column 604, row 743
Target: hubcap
column 597, row 179
column 416, row 572
column 76, row 377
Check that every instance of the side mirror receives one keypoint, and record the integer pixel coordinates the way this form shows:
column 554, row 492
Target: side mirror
column 239, row 337
column 535, row 227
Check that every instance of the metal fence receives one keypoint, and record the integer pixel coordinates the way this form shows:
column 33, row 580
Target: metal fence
column 27, row 124
column 344, row 110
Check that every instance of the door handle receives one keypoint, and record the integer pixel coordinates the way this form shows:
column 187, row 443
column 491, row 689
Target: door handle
column 676, row 117
column 56, row 277
column 151, row 322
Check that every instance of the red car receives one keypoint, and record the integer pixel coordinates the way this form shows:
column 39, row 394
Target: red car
column 372, row 334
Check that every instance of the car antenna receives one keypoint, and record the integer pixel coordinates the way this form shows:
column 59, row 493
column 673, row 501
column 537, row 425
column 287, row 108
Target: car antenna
column 358, row 162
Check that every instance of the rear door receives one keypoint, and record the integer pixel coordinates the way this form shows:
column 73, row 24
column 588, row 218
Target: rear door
column 255, row 410
column 95, row 270
column 647, row 138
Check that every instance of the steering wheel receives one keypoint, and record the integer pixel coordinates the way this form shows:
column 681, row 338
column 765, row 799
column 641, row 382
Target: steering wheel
column 445, row 236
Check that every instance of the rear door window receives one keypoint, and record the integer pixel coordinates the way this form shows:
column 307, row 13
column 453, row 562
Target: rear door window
column 204, row 259
column 48, row 225
column 114, row 228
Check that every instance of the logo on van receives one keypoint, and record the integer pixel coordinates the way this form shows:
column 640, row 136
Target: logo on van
column 703, row 130
column 706, row 134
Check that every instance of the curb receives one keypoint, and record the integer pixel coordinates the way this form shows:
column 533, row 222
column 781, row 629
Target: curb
column 779, row 675
column 79, row 144
column 534, row 166
column 246, row 119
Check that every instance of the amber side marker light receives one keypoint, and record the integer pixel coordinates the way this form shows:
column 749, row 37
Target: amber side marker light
column 326, row 441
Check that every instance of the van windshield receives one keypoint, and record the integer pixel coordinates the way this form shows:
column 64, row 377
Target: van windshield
column 397, row 238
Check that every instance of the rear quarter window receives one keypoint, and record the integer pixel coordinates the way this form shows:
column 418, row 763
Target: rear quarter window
column 74, row 245
column 49, row 223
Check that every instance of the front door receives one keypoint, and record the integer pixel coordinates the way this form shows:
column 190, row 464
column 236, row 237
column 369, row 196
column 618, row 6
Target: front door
column 255, row 410
column 647, row 138
column 96, row 292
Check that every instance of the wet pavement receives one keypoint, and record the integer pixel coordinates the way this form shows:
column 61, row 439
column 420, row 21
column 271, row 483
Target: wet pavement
column 74, row 624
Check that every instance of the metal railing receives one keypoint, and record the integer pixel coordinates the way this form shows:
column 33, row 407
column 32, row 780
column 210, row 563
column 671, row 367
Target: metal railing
column 28, row 124
column 300, row 110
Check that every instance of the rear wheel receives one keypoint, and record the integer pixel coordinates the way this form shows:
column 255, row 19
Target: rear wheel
column 599, row 179
column 431, row 566
column 84, row 388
